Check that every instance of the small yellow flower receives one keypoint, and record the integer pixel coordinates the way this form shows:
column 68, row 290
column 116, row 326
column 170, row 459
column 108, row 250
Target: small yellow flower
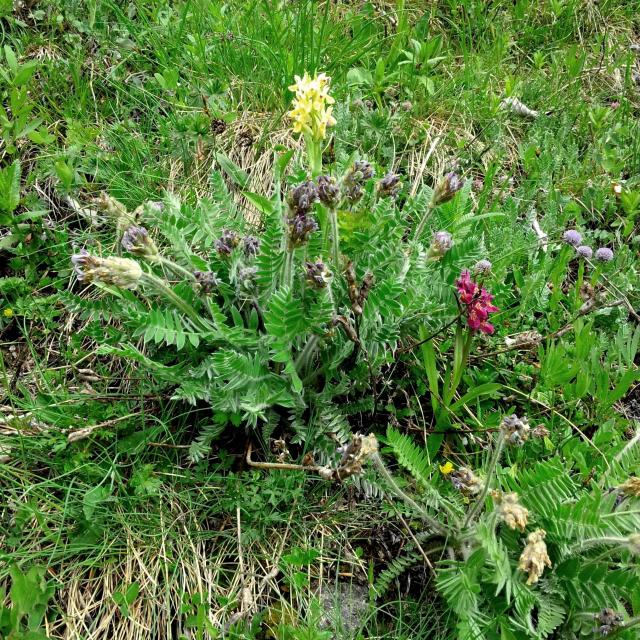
column 8, row 313
column 311, row 113
column 446, row 468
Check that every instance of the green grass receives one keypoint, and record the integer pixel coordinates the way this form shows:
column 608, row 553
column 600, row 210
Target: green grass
column 139, row 99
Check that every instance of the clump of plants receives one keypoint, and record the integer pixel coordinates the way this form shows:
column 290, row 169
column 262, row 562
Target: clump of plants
column 292, row 326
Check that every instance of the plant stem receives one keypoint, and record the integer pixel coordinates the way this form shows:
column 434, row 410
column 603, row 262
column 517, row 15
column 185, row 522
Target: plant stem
column 162, row 287
column 287, row 273
column 434, row 524
column 335, row 240
column 487, row 485
column 178, row 268
column 423, row 221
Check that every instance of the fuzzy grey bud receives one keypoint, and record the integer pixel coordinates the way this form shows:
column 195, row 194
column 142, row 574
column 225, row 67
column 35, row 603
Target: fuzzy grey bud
column 136, row 240
column 447, row 188
column 328, row 191
column 121, row 272
column 207, row 280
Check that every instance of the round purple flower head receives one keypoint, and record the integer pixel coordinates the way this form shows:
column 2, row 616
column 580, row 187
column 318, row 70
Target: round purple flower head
column 584, row 252
column 482, row 266
column 572, row 237
column 604, row 254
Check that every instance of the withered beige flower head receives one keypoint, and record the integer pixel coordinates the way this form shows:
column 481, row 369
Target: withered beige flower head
column 116, row 211
column 534, row 557
column 633, row 543
column 311, row 113
column 121, row 272
column 631, row 487
column 355, row 454
column 466, row 482
column 512, row 513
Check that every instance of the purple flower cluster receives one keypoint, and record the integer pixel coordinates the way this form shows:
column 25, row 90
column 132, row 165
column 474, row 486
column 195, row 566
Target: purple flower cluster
column 229, row 240
column 574, row 238
column 389, row 185
column 478, row 303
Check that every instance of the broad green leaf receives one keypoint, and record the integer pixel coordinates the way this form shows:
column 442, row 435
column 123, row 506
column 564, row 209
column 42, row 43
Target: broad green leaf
column 238, row 175
column 10, row 187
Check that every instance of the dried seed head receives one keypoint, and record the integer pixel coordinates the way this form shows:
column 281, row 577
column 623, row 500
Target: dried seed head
column 608, row 620
column 328, row 191
column 466, row 482
column 512, row 513
column 447, row 188
column 516, row 430
column 354, row 455
column 633, row 543
column 121, row 272
column 136, row 240
column 526, row 339
column 207, row 281
column 534, row 558
column 631, row 487
column 227, row 242
column 540, row 431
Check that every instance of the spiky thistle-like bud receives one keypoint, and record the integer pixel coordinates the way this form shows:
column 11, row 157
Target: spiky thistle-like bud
column 318, row 276
column 328, row 191
column 227, row 242
column 516, row 430
column 447, row 188
column 121, row 272
column 137, row 240
column 207, row 281
column 389, row 185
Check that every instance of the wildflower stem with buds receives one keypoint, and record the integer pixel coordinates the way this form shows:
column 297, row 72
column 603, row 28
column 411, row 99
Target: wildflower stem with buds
column 487, row 484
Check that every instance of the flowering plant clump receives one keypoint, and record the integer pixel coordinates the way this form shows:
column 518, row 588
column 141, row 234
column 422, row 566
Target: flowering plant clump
column 477, row 303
